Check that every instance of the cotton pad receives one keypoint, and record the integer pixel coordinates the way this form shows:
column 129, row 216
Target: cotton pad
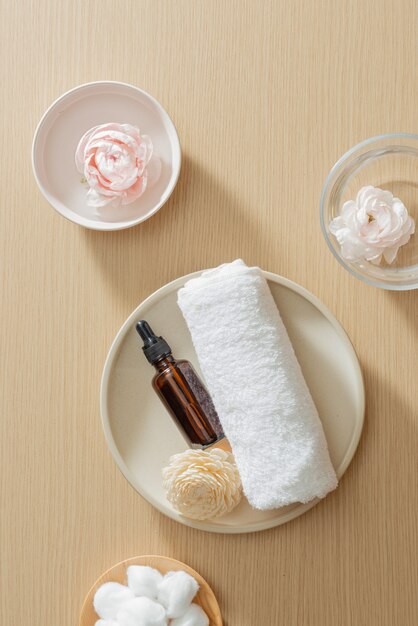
column 106, row 622
column 109, row 598
column 176, row 592
column 194, row 616
column 142, row 612
column 144, row 580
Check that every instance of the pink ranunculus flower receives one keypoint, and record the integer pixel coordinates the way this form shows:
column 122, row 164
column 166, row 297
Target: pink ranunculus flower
column 373, row 225
column 114, row 160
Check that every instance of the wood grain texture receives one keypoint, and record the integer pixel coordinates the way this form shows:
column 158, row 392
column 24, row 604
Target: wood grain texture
column 204, row 598
column 265, row 97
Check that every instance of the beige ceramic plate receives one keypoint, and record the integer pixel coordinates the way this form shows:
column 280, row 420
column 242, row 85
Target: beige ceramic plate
column 205, row 596
column 142, row 436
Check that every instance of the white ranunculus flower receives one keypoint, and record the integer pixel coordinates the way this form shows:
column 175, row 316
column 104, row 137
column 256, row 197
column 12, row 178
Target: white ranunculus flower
column 373, row 225
column 116, row 160
column 202, row 484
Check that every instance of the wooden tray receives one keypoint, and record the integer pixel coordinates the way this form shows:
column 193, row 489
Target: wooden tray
column 205, row 596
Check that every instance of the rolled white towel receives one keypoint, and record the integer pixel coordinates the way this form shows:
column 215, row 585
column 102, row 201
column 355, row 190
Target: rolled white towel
column 257, row 386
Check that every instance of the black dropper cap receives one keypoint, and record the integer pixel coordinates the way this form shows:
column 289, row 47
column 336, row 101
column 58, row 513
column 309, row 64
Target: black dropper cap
column 155, row 348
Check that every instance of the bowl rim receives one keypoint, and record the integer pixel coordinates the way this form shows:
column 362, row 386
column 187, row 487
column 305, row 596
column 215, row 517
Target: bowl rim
column 337, row 165
column 84, row 221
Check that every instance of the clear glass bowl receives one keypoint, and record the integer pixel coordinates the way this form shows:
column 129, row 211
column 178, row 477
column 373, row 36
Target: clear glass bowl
column 389, row 162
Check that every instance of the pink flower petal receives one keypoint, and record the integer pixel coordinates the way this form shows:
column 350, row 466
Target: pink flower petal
column 114, row 159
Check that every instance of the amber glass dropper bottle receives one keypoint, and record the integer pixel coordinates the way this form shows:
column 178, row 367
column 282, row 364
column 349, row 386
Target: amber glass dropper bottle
column 182, row 392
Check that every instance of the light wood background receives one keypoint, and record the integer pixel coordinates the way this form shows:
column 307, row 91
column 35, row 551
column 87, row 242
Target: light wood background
column 265, row 96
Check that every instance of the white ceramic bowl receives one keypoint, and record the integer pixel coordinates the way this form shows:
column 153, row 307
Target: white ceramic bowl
column 57, row 136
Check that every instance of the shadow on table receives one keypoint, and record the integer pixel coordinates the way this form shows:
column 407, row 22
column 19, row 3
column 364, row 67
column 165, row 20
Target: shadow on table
column 406, row 302
column 184, row 236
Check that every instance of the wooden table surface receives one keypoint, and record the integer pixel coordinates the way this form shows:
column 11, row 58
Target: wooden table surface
column 265, row 96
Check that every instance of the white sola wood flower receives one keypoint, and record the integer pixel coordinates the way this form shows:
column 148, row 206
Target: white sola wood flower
column 374, row 225
column 202, row 484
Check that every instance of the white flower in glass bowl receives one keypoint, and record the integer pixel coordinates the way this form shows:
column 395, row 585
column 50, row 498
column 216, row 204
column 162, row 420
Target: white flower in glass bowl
column 115, row 160
column 374, row 225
